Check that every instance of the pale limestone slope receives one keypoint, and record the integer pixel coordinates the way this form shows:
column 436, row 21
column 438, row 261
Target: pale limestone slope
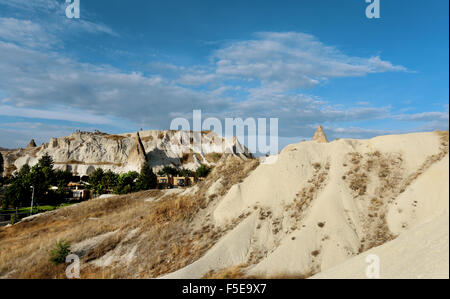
column 422, row 200
column 421, row 252
column 304, row 215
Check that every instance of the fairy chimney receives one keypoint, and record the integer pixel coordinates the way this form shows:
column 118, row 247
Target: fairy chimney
column 137, row 154
column 32, row 144
column 319, row 135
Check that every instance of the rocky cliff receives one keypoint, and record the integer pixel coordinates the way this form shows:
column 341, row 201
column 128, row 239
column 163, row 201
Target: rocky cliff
column 83, row 152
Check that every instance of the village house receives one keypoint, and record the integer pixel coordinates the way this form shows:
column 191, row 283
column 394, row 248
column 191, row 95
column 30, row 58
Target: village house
column 177, row 181
column 164, row 181
column 78, row 191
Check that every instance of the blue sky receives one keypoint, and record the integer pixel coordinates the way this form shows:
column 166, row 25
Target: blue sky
column 126, row 65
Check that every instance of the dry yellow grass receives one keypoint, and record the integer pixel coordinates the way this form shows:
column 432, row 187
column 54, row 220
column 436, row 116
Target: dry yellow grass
column 306, row 195
column 187, row 158
column 385, row 171
column 213, row 157
column 163, row 239
column 444, row 136
column 147, row 138
column 115, row 137
column 238, row 272
column 24, row 246
column 234, row 272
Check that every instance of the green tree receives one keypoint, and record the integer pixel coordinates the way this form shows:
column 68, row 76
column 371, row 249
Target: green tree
column 38, row 179
column 109, row 180
column 147, row 179
column 95, row 180
column 42, row 176
column 18, row 193
column 62, row 177
column 186, row 172
column 203, row 171
column 46, row 161
column 126, row 183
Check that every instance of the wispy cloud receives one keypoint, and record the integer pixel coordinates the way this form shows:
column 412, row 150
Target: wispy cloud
column 34, row 5
column 43, row 23
column 286, row 60
column 26, row 33
column 62, row 113
column 424, row 116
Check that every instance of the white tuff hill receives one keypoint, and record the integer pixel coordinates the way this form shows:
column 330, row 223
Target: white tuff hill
column 320, row 204
column 82, row 152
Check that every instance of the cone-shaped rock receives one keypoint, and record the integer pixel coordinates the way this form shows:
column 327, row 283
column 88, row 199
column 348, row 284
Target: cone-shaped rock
column 31, row 144
column 319, row 135
column 137, row 156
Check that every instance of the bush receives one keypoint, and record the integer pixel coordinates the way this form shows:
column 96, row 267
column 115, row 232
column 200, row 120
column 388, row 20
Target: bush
column 186, row 172
column 126, row 183
column 59, row 253
column 202, row 171
column 14, row 218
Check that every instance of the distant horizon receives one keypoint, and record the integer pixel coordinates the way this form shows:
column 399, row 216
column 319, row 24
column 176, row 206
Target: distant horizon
column 281, row 147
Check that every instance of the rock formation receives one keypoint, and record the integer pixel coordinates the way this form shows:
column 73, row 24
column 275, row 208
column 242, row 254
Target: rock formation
column 32, row 144
column 319, row 135
column 83, row 152
column 137, row 158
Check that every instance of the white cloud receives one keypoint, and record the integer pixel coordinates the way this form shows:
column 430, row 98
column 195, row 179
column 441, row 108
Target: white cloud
column 34, row 5
column 43, row 23
column 290, row 60
column 34, row 79
column 26, row 33
column 62, row 113
column 424, row 116
column 429, row 120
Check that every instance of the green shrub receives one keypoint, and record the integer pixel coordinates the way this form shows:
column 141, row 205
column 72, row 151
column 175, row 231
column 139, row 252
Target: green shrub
column 126, row 182
column 169, row 170
column 59, row 252
column 203, row 171
column 186, row 172
column 14, row 218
